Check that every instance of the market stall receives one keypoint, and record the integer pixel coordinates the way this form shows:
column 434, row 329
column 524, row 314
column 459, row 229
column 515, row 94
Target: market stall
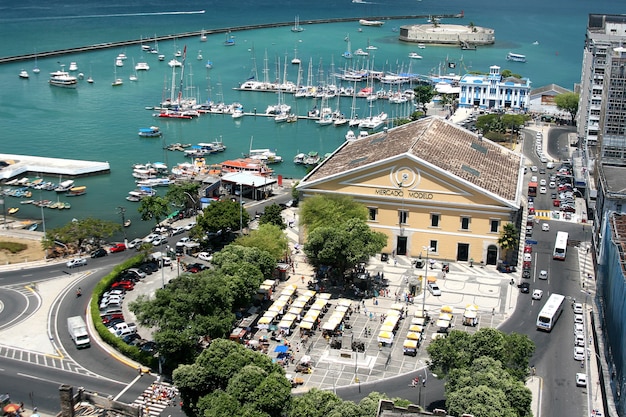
column 409, row 347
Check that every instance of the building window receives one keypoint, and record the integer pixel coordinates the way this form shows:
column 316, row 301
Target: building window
column 434, row 220
column 465, row 223
column 433, row 246
column 403, row 215
column 495, row 226
column 373, row 213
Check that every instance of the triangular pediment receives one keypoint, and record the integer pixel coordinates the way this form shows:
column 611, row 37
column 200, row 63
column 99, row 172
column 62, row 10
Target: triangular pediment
column 406, row 177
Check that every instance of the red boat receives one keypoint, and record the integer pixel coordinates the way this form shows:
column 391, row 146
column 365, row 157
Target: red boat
column 174, row 115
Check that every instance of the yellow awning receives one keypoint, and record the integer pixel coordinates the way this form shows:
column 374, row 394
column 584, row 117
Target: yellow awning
column 385, row 335
column 306, row 325
column 410, row 344
column 445, row 316
column 413, row 336
column 446, row 309
column 415, row 328
column 386, row 328
column 471, row 307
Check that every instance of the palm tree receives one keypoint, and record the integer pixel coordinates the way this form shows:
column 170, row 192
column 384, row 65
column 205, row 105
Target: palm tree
column 509, row 236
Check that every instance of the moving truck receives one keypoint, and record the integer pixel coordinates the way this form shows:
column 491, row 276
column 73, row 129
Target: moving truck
column 78, row 331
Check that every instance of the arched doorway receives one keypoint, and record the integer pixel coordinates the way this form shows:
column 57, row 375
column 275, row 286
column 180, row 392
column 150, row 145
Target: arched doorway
column 492, row 255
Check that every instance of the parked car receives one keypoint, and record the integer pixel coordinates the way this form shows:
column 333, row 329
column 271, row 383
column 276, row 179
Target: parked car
column 159, row 240
column 581, row 380
column 135, row 243
column 137, row 272
column 126, row 285
column 99, row 253
column 205, row 256
column 178, row 230
column 434, row 289
column 526, row 273
column 528, row 248
column 190, row 225
column 118, row 247
column 72, row 263
column 579, row 353
column 578, row 308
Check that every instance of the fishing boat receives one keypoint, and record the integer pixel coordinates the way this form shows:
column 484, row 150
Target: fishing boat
column 299, row 159
column 296, row 25
column 150, row 132
column 312, row 158
column 76, row 191
column 13, row 210
column 23, row 74
column 127, row 223
column 364, row 22
column 515, row 57
column 62, row 79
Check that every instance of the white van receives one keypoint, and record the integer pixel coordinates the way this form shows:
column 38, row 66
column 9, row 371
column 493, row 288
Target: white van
column 550, row 165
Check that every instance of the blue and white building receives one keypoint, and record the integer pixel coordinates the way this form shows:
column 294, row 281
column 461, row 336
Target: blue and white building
column 493, row 91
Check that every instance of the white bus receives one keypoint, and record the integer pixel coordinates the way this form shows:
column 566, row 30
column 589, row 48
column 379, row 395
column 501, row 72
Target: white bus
column 560, row 246
column 550, row 312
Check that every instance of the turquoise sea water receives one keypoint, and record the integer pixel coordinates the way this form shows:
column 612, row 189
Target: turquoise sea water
column 99, row 122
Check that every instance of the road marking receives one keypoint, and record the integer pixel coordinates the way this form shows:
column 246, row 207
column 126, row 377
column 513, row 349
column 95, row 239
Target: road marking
column 39, row 378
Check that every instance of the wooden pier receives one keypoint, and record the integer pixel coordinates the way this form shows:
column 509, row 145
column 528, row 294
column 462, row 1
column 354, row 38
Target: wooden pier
column 118, row 44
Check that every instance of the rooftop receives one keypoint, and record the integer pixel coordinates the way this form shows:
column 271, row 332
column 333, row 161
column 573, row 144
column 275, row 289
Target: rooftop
column 436, row 142
column 22, row 164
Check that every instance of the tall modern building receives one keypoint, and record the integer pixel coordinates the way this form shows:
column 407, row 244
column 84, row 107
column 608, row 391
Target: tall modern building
column 602, row 107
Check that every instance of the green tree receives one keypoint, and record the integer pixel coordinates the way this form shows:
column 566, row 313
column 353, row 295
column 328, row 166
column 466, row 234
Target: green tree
column 76, row 234
column 486, row 123
column 509, row 238
column 216, row 404
column 518, row 351
column 424, row 95
column 450, row 353
column 273, row 215
column 480, row 401
column 153, row 208
column 320, row 210
column 273, row 394
column 315, row 403
column 343, row 246
column 222, row 215
column 192, row 306
column 568, row 102
column 269, row 238
column 184, row 194
column 255, row 256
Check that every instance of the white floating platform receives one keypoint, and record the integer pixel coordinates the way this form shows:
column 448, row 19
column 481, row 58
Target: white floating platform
column 22, row 164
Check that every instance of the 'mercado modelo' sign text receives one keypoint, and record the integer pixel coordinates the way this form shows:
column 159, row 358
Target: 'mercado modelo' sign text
column 404, row 193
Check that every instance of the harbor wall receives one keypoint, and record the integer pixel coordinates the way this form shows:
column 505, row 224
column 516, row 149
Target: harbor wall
column 108, row 45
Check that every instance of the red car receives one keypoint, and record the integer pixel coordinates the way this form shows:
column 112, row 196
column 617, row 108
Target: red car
column 556, row 203
column 118, row 247
column 125, row 285
column 528, row 249
column 107, row 318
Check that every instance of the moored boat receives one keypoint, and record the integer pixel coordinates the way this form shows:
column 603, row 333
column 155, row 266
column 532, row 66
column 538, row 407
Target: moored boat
column 365, row 22
column 62, row 79
column 245, row 165
column 76, row 191
column 13, row 210
column 23, row 74
column 127, row 223
column 150, row 132
column 64, row 186
column 415, row 55
column 515, row 57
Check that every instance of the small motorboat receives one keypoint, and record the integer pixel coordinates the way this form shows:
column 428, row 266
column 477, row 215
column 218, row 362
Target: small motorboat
column 13, row 210
column 33, row 227
column 127, row 223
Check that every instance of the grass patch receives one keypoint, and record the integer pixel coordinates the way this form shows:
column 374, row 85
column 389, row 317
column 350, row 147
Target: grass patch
column 13, row 247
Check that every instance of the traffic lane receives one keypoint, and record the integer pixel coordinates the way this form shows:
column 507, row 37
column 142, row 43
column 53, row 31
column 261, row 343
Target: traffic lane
column 38, row 385
column 432, row 395
column 558, row 142
column 15, row 305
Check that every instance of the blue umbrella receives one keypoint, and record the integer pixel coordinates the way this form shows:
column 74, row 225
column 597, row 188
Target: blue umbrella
column 281, row 349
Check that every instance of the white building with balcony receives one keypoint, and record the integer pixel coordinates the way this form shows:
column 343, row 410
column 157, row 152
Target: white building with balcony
column 493, row 91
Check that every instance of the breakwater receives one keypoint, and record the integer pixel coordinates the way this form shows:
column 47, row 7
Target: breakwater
column 108, row 45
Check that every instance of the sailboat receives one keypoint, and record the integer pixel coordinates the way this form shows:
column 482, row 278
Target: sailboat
column 36, row 69
column 116, row 81
column 89, row 79
column 199, row 57
column 133, row 76
column 230, row 40
column 370, row 47
column 296, row 25
column 348, row 53
column 202, row 36
column 296, row 60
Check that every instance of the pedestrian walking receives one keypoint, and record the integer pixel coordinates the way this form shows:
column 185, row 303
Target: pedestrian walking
column 302, row 278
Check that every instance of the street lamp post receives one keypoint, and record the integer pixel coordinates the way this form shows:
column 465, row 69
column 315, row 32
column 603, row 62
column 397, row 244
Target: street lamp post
column 428, row 249
column 241, row 208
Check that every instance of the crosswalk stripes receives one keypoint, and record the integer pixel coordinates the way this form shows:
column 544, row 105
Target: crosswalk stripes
column 543, row 214
column 156, row 398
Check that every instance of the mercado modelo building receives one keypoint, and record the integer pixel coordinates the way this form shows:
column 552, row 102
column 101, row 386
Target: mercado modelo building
column 428, row 184
column 493, row 91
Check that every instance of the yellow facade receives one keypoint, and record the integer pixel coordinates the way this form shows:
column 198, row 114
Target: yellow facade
column 419, row 205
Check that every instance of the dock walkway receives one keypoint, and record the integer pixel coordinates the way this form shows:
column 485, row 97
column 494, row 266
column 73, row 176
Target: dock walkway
column 23, row 164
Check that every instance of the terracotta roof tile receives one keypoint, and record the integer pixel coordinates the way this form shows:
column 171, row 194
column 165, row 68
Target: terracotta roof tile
column 439, row 143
